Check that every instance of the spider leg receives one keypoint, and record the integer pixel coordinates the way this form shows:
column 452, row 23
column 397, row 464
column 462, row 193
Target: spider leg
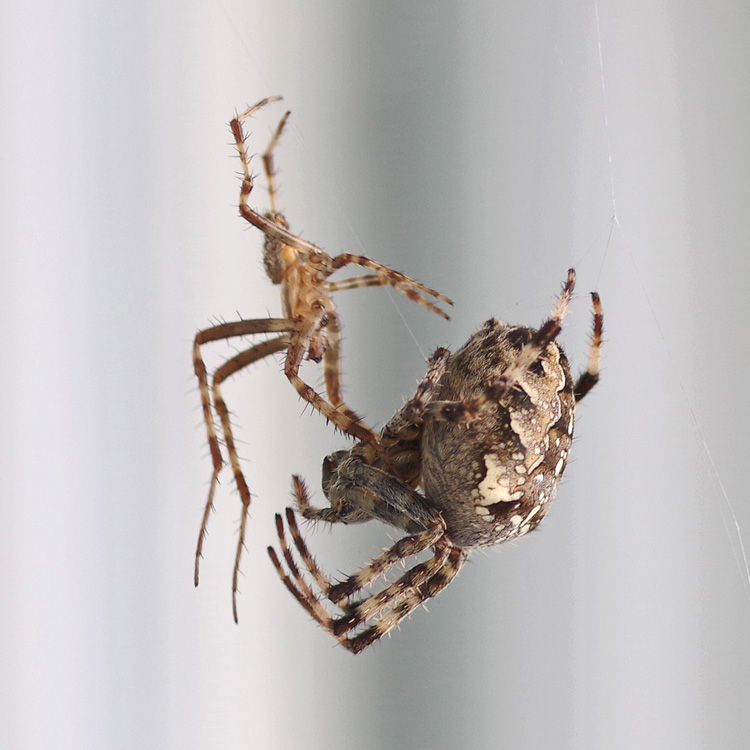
column 217, row 404
column 233, row 365
column 340, row 416
column 405, row 547
column 268, row 164
column 332, row 362
column 219, row 333
column 392, row 604
column 241, row 360
column 410, row 415
column 310, row 513
column 359, row 282
column 588, row 379
column 269, row 225
column 296, row 584
column 407, row 286
column 356, row 282
column 411, row 600
column 358, row 612
column 297, row 348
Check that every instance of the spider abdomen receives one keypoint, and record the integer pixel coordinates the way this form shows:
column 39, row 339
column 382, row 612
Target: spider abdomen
column 494, row 479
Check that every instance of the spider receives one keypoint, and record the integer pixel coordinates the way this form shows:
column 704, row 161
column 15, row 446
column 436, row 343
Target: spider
column 309, row 329
column 487, row 435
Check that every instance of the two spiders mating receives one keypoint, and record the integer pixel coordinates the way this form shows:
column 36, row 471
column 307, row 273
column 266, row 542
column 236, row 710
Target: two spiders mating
column 473, row 459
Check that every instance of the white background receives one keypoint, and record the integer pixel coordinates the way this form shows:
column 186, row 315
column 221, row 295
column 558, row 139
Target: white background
column 477, row 147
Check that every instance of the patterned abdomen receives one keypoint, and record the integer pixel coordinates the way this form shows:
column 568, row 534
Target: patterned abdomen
column 494, row 479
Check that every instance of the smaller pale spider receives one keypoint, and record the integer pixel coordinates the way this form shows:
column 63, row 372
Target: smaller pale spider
column 487, row 435
column 309, row 329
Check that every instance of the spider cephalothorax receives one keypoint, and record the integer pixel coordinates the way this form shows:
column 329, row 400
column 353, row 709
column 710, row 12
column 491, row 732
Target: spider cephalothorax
column 310, row 328
column 487, row 436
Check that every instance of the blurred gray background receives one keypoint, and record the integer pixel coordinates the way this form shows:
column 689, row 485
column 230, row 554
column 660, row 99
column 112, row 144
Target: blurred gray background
column 469, row 146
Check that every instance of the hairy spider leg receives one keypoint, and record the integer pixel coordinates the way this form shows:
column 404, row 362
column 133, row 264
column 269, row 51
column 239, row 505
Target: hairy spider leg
column 389, row 606
column 217, row 404
column 590, row 377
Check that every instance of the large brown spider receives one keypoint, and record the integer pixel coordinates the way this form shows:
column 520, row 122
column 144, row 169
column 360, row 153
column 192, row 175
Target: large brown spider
column 309, row 329
column 487, row 434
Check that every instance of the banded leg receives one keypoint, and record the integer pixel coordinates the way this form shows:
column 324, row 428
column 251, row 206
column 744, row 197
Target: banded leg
column 410, row 415
column 226, row 331
column 383, row 610
column 298, row 346
column 413, row 599
column 268, row 164
column 359, row 282
column 223, row 332
column 332, row 364
column 267, row 224
column 407, row 286
column 588, row 379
